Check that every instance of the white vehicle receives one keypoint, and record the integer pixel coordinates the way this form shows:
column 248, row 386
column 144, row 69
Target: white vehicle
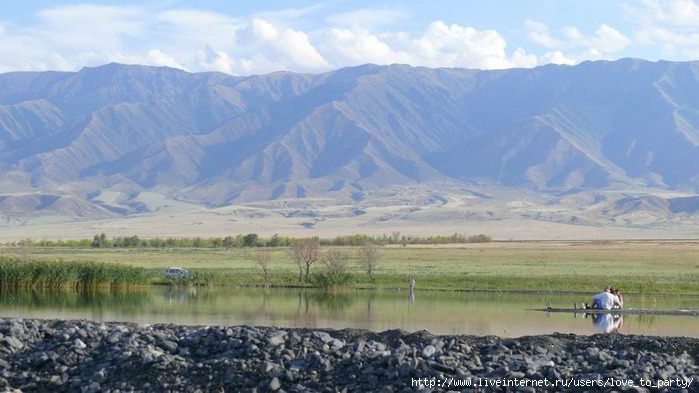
column 177, row 272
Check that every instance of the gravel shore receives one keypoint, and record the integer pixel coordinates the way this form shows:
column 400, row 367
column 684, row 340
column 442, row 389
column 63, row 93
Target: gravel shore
column 88, row 356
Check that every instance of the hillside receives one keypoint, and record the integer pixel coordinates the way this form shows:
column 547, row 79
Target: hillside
column 601, row 143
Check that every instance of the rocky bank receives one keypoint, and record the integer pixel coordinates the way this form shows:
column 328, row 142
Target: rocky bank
column 89, row 356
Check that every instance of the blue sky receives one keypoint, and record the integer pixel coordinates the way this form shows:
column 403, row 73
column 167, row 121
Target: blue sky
column 245, row 37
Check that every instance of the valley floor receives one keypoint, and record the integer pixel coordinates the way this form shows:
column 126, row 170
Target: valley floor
column 658, row 267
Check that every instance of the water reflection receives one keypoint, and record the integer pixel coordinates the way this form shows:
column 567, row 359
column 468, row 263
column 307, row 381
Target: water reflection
column 76, row 299
column 601, row 322
column 503, row 314
column 607, row 323
column 176, row 294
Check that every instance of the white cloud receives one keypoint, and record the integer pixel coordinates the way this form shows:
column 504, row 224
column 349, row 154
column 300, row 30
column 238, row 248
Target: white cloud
column 71, row 37
column 673, row 43
column 453, row 45
column 289, row 14
column 539, row 33
column 574, row 46
column 521, row 59
column 672, row 25
column 440, row 45
column 193, row 25
column 286, row 47
column 676, row 13
column 557, row 57
column 158, row 57
column 357, row 46
column 81, row 26
column 212, row 60
column 605, row 40
column 367, row 18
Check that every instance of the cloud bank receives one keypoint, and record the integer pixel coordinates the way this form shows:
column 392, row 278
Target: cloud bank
column 71, row 37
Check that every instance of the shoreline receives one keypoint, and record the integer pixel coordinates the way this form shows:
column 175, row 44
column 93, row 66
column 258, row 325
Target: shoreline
column 456, row 290
column 39, row 355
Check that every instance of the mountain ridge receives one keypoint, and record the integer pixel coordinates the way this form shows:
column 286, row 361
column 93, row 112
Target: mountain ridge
column 213, row 139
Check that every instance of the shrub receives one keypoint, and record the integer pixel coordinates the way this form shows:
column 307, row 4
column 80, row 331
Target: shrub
column 328, row 280
column 480, row 239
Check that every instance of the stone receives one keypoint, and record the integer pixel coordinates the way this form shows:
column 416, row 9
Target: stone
column 323, row 336
column 428, row 351
column 274, row 384
column 14, row 343
column 113, row 338
column 79, row 344
column 297, row 365
column 276, row 340
column 169, row 345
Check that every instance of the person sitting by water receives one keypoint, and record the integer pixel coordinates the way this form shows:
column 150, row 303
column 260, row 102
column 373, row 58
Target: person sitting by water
column 605, row 300
column 618, row 296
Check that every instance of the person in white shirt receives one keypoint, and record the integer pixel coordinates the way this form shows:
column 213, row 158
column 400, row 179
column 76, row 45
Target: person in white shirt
column 605, row 301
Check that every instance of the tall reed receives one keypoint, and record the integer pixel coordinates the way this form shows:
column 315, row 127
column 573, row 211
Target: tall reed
column 16, row 273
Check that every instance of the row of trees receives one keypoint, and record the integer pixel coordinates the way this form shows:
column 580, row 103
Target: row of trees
column 240, row 241
column 306, row 252
column 248, row 240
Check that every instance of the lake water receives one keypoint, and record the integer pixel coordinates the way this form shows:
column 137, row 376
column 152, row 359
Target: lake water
column 477, row 313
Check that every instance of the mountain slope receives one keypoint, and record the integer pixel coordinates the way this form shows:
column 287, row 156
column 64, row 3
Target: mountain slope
column 214, row 139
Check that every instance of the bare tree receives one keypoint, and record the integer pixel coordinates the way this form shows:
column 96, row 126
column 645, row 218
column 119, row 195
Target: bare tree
column 304, row 253
column 369, row 256
column 336, row 261
column 262, row 258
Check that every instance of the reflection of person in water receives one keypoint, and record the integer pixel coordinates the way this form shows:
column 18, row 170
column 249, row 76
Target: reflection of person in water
column 607, row 323
column 411, row 294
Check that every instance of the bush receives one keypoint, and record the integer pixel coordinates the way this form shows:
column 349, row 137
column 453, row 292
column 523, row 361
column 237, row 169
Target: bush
column 329, row 280
column 480, row 239
column 334, row 274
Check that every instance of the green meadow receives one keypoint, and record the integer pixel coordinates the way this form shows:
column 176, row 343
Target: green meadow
column 635, row 267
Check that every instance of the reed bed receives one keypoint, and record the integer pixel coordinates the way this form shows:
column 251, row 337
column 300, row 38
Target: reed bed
column 17, row 273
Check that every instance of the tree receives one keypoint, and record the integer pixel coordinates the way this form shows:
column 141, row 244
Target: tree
column 99, row 241
column 250, row 240
column 304, row 253
column 369, row 256
column 228, row 241
column 276, row 241
column 335, row 261
column 262, row 258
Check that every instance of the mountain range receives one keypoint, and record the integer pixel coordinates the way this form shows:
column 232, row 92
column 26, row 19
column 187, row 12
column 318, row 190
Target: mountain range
column 614, row 141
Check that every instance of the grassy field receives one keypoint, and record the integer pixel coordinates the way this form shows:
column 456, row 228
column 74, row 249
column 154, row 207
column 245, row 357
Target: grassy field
column 635, row 267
